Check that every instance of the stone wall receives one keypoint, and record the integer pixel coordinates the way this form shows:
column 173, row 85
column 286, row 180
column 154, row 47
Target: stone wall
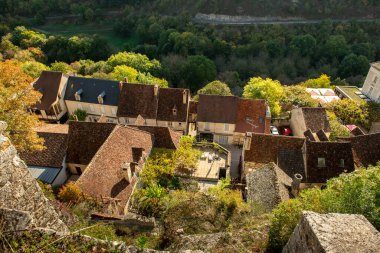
column 19, row 191
column 333, row 233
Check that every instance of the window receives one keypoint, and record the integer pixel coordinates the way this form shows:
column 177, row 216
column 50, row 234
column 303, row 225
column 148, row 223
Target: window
column 102, row 109
column 321, row 162
column 170, row 123
column 370, row 91
column 226, row 127
column 341, row 163
column 207, row 126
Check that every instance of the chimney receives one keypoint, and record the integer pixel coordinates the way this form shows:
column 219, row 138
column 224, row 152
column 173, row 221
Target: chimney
column 247, row 141
column 125, row 79
column 155, row 90
column 184, row 97
column 120, row 85
column 296, row 184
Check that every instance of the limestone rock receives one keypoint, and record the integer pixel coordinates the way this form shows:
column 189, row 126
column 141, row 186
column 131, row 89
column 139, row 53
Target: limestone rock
column 333, row 233
column 20, row 192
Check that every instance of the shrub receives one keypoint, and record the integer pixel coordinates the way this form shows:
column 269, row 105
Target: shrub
column 81, row 115
column 356, row 193
column 46, row 189
column 70, row 193
column 149, row 200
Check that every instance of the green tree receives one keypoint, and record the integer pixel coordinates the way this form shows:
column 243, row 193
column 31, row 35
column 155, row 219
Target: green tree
column 350, row 111
column 79, row 115
column 214, row 88
column 335, row 47
column 298, row 95
column 137, row 61
column 186, row 157
column 33, row 68
column 321, row 82
column 197, row 71
column 61, row 66
column 303, row 44
column 122, row 71
column 353, row 65
column 354, row 193
column 271, row 90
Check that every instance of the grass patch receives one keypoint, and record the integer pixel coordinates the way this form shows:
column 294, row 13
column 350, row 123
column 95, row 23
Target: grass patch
column 104, row 30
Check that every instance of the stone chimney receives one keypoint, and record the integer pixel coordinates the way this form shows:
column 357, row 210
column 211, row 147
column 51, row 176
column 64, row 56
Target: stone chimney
column 120, row 85
column 184, row 97
column 247, row 141
column 296, row 184
column 155, row 90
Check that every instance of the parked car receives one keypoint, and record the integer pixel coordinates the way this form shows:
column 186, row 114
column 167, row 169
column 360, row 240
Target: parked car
column 274, row 130
column 286, row 131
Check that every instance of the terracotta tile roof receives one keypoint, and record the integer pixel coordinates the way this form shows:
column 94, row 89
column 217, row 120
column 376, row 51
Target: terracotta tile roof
column 169, row 99
column 164, row 137
column 53, row 128
column 48, row 85
column 252, row 111
column 103, row 176
column 137, row 99
column 316, row 119
column 217, row 109
column 366, row 148
column 85, row 138
column 52, row 156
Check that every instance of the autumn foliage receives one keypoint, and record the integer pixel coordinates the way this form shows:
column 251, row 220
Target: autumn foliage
column 16, row 97
column 70, row 193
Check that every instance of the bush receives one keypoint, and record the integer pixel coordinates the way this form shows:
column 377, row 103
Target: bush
column 46, row 189
column 70, row 193
column 149, row 200
column 81, row 115
column 355, row 193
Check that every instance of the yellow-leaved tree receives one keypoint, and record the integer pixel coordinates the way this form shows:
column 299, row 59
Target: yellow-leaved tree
column 16, row 96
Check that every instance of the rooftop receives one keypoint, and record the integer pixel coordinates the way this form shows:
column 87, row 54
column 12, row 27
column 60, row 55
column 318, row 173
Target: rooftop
column 210, row 163
column 53, row 128
column 353, row 92
column 48, row 85
column 91, row 88
column 217, row 109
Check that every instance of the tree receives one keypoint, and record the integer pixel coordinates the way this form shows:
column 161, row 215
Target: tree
column 137, row 61
column 303, row 44
column 33, row 68
column 122, row 71
column 353, row 193
column 79, row 115
column 197, row 71
column 16, row 97
column 337, row 129
column 186, row 157
column 350, row 111
column 335, row 47
column 271, row 90
column 61, row 66
column 353, row 65
column 298, row 95
column 321, row 82
column 214, row 88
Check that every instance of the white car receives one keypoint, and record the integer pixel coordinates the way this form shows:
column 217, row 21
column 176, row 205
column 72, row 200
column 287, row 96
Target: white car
column 274, row 130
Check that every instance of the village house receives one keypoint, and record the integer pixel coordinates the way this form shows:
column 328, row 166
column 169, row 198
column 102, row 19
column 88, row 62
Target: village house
column 226, row 119
column 49, row 165
column 95, row 96
column 52, row 86
column 371, row 87
column 309, row 121
column 115, row 166
column 154, row 106
column 84, row 140
column 315, row 162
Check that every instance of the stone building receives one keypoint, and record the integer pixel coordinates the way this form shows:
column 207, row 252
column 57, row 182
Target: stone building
column 268, row 186
column 95, row 96
column 313, row 119
column 226, row 119
column 371, row 86
column 333, row 233
column 166, row 107
column 52, row 86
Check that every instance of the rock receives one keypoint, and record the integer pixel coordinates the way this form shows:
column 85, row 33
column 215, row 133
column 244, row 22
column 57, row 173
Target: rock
column 14, row 220
column 199, row 242
column 180, row 231
column 21, row 195
column 333, row 233
column 133, row 249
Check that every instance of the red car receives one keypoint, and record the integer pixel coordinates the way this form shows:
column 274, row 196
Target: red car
column 286, row 131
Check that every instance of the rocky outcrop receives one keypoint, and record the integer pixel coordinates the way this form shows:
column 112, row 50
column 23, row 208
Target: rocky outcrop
column 333, row 233
column 21, row 197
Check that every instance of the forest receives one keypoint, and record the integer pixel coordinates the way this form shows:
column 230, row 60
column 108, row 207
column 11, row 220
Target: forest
column 192, row 54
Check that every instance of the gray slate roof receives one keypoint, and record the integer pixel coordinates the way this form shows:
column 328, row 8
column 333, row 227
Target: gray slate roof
column 92, row 88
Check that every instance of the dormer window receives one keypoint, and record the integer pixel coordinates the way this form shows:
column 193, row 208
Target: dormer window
column 174, row 110
column 78, row 95
column 101, row 97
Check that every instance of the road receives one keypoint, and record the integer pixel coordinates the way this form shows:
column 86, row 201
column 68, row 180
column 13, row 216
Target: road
column 249, row 20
